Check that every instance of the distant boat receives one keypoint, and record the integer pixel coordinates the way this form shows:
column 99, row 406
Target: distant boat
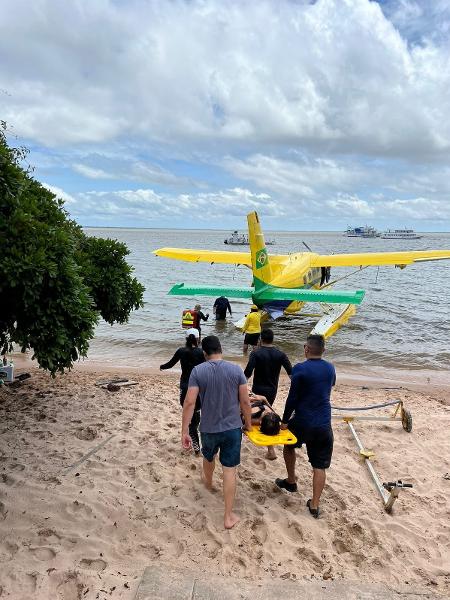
column 400, row 234
column 241, row 239
column 362, row 232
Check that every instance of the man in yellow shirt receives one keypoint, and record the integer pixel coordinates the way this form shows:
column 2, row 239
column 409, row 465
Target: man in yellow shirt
column 252, row 328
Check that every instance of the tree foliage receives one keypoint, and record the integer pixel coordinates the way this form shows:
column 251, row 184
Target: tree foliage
column 55, row 282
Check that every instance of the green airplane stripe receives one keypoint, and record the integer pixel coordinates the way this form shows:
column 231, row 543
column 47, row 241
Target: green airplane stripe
column 180, row 289
column 269, row 293
column 308, row 295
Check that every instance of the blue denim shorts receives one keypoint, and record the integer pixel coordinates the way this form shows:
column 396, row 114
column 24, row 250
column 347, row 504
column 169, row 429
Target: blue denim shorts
column 227, row 443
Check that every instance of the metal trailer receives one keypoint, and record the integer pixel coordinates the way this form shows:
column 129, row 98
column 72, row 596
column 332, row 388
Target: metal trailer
column 388, row 491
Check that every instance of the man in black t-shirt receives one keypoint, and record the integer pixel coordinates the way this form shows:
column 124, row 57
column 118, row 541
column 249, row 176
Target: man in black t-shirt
column 221, row 305
column 266, row 362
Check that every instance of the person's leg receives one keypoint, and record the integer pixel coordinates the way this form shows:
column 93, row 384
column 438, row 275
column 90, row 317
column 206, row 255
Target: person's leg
column 320, row 449
column 193, row 431
column 289, row 456
column 271, row 455
column 319, row 478
column 245, row 348
column 209, row 450
column 230, row 457
column 229, row 493
column 208, row 472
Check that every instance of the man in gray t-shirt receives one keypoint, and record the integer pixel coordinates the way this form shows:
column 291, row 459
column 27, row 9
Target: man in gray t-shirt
column 222, row 387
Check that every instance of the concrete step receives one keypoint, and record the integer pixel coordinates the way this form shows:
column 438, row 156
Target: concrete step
column 168, row 583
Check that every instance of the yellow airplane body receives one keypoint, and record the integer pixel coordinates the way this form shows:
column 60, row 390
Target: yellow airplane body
column 284, row 283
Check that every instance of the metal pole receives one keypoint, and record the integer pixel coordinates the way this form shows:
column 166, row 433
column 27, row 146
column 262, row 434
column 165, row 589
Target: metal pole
column 380, row 488
column 347, row 418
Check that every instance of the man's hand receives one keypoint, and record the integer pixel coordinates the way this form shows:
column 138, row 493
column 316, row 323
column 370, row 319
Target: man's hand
column 186, row 441
column 283, row 426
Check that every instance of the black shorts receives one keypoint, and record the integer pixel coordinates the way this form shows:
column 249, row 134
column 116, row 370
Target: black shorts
column 269, row 395
column 251, row 339
column 318, row 442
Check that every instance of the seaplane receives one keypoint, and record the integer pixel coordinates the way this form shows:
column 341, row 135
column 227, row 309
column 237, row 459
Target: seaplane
column 284, row 284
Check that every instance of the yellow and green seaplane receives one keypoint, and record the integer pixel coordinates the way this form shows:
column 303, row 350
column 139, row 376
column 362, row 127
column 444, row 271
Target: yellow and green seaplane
column 283, row 284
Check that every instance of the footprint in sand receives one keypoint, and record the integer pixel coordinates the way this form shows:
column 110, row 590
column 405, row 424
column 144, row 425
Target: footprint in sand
column 198, row 522
column 308, row 555
column 7, row 479
column 95, row 564
column 8, row 550
column 86, row 433
column 49, row 535
column 340, row 546
column 17, row 467
column 43, row 553
column 3, row 511
column 80, row 507
column 259, row 530
column 260, row 463
column 69, row 587
column 30, row 581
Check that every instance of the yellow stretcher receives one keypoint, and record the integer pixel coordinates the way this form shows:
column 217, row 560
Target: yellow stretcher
column 284, row 438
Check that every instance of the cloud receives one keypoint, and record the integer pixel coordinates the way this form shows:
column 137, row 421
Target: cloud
column 147, row 206
column 123, row 169
column 91, row 173
column 327, row 75
column 68, row 199
column 301, row 110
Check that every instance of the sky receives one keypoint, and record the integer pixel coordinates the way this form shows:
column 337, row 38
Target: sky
column 192, row 113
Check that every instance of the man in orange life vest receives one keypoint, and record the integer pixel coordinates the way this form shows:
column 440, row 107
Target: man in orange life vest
column 193, row 318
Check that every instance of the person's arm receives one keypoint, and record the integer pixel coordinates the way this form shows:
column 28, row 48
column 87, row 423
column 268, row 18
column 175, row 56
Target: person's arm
column 245, row 405
column 229, row 307
column 188, row 411
column 172, row 362
column 244, row 329
column 248, row 371
column 291, row 402
column 286, row 363
column 203, row 317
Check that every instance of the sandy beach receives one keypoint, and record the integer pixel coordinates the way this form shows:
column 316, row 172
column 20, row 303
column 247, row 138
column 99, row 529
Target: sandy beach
column 73, row 530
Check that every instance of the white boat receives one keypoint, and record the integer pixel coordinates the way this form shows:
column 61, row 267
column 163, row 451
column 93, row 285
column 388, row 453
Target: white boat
column 241, row 239
column 364, row 232
column 400, row 234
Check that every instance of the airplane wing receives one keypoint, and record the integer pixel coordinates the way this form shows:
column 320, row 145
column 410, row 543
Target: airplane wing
column 378, row 258
column 210, row 256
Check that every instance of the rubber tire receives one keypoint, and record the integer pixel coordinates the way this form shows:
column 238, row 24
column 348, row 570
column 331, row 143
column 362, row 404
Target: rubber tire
column 407, row 421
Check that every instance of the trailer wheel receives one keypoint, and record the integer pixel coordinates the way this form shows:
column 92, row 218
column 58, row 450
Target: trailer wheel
column 407, row 422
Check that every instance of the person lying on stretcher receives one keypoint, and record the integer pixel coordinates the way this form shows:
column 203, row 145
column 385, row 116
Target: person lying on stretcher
column 264, row 416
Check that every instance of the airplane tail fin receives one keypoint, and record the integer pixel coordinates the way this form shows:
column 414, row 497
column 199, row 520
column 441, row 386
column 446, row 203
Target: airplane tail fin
column 262, row 270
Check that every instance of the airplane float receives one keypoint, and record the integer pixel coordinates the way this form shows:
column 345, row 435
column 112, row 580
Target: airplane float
column 283, row 284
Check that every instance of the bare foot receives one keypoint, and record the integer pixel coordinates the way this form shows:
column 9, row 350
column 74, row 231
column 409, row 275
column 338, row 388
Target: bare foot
column 231, row 521
column 271, row 454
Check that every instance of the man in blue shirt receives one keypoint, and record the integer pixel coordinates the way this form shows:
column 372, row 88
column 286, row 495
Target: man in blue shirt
column 308, row 416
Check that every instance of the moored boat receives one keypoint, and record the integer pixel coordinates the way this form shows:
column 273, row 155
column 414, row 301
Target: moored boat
column 241, row 239
column 363, row 232
column 400, row 234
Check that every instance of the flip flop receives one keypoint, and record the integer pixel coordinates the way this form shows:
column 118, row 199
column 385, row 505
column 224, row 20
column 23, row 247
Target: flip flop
column 314, row 511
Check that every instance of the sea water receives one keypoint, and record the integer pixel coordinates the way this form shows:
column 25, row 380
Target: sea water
column 402, row 323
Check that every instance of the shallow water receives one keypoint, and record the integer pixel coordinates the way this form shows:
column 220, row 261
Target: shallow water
column 403, row 322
